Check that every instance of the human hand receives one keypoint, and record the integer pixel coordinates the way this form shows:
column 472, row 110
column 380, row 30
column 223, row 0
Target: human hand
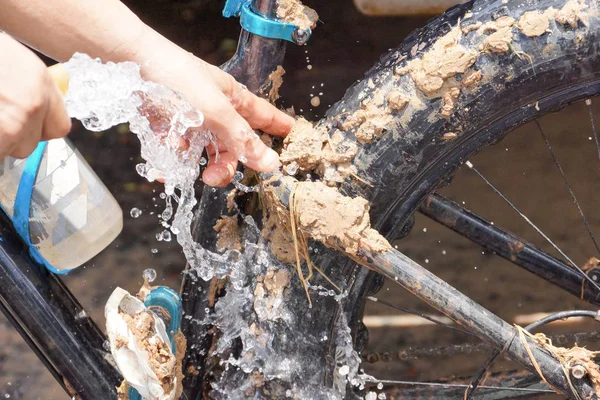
column 31, row 105
column 230, row 111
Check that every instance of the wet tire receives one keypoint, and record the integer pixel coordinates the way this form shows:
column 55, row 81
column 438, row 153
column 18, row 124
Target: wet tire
column 508, row 71
column 427, row 140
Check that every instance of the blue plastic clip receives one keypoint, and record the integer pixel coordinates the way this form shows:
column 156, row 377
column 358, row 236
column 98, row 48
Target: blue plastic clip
column 22, row 206
column 168, row 299
column 260, row 25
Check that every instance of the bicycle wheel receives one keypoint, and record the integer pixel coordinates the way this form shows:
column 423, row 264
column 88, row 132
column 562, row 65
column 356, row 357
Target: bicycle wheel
column 459, row 85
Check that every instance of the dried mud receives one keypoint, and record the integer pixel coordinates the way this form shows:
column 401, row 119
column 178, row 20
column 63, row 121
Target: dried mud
column 535, row 23
column 270, row 293
column 499, row 41
column 307, row 148
column 228, row 233
column 571, row 13
column 276, row 80
column 338, row 221
column 294, row 12
column 160, row 359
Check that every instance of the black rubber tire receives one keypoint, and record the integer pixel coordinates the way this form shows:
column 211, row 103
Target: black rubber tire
column 536, row 76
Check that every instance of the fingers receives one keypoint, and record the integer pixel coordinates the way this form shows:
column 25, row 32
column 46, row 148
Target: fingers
column 259, row 113
column 31, row 106
column 19, row 132
column 220, row 173
column 29, row 135
column 237, row 136
column 57, row 123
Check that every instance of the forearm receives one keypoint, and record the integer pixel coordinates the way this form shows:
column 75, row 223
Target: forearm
column 105, row 29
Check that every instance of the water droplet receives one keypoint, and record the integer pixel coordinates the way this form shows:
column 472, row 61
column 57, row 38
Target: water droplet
column 380, row 386
column 149, row 274
column 291, row 169
column 344, row 370
column 238, row 176
column 142, row 169
column 154, row 251
column 202, row 161
column 424, row 229
column 135, row 212
column 162, row 196
column 167, row 213
column 106, row 345
column 166, row 236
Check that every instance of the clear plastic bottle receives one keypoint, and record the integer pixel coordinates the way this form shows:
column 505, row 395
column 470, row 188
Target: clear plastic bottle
column 72, row 216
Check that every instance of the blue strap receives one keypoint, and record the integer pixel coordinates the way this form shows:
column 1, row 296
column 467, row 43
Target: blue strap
column 22, row 207
column 168, row 299
column 233, row 8
column 261, row 25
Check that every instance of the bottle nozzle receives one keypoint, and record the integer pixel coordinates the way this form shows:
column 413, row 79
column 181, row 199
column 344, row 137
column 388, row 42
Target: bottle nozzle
column 60, row 76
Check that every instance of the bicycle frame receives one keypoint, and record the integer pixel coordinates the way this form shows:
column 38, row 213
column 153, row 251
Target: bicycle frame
column 71, row 346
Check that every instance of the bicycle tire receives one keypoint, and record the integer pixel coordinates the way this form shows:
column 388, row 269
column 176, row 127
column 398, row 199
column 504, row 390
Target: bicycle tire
column 542, row 71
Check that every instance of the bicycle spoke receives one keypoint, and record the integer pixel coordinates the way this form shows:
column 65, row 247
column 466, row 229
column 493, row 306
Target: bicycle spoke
column 458, row 385
column 505, row 385
column 588, row 103
column 568, row 185
column 506, row 245
column 538, row 230
column 428, row 318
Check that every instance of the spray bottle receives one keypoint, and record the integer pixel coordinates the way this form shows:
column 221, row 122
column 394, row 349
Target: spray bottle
column 58, row 205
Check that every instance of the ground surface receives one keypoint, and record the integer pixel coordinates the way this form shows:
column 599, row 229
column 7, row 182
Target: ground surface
column 344, row 46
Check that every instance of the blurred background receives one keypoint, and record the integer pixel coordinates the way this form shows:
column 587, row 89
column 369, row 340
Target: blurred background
column 344, row 45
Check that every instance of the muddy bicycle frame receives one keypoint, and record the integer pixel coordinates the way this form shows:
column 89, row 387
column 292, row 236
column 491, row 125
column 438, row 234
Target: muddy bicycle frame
column 73, row 348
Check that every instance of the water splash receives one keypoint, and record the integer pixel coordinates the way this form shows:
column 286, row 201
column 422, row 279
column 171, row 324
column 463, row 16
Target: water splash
column 274, row 342
column 171, row 136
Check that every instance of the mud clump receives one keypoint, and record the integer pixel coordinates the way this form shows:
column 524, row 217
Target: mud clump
column 397, row 100
column 453, row 88
column 534, row 23
column 568, row 357
column 282, row 245
column 435, row 73
column 228, row 233
column 375, row 115
column 180, row 347
column 498, row 41
column 372, row 121
column 307, row 148
column 304, row 145
column 271, row 293
column 294, row 12
column 447, row 58
column 338, row 221
column 161, row 360
column 276, row 80
column 571, row 13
